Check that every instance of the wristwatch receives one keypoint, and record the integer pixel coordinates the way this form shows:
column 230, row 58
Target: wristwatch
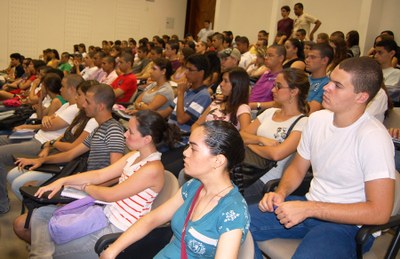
column 52, row 142
column 258, row 106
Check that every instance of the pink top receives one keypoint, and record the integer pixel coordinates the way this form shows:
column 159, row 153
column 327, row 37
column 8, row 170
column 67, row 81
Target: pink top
column 216, row 113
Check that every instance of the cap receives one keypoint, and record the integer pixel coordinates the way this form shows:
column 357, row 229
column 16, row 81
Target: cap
column 234, row 53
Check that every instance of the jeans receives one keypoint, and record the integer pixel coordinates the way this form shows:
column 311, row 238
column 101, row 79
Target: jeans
column 254, row 193
column 7, row 151
column 397, row 159
column 43, row 247
column 320, row 239
column 18, row 178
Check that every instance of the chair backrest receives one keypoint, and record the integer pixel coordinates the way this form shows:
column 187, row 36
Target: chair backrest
column 396, row 205
column 133, row 97
column 393, row 120
column 247, row 248
column 171, row 186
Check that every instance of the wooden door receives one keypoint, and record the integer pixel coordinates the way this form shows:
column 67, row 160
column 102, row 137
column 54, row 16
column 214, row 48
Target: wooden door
column 198, row 11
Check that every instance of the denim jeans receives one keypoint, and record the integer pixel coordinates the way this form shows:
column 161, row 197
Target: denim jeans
column 320, row 239
column 7, row 150
column 43, row 247
column 18, row 178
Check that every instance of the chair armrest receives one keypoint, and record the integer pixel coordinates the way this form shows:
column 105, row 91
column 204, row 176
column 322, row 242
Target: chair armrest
column 147, row 247
column 105, row 241
column 366, row 230
column 271, row 185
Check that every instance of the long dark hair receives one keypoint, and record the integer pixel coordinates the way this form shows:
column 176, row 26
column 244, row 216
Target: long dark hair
column 80, row 120
column 297, row 78
column 240, row 82
column 152, row 124
column 300, row 47
column 222, row 138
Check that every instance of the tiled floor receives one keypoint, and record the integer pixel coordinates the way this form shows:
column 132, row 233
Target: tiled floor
column 11, row 246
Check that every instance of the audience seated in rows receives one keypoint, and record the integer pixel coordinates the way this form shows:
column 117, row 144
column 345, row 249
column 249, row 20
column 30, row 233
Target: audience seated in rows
column 141, row 178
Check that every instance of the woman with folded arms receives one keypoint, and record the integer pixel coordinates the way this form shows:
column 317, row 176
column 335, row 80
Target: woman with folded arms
column 157, row 95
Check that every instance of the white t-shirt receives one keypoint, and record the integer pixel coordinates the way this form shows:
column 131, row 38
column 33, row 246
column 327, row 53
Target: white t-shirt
column 343, row 159
column 108, row 79
column 378, row 106
column 88, row 73
column 304, row 21
column 246, row 59
column 277, row 130
column 67, row 113
column 391, row 76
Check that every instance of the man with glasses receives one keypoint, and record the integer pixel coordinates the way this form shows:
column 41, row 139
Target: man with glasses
column 193, row 97
column 261, row 93
column 318, row 59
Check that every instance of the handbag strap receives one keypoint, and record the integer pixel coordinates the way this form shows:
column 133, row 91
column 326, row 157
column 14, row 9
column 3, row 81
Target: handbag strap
column 183, row 246
column 294, row 124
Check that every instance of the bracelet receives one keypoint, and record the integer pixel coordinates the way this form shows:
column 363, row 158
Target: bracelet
column 43, row 145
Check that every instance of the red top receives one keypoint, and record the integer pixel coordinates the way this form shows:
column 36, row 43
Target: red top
column 128, row 84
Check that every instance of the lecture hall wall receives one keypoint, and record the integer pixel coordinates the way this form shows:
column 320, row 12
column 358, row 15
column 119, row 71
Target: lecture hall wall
column 31, row 26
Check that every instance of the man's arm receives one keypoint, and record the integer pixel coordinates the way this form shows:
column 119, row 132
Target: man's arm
column 317, row 24
column 55, row 123
column 291, row 179
column 118, row 92
column 181, row 116
column 375, row 210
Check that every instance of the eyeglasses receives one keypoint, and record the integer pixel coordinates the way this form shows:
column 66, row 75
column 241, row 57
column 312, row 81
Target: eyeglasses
column 191, row 69
column 313, row 57
column 278, row 86
column 269, row 56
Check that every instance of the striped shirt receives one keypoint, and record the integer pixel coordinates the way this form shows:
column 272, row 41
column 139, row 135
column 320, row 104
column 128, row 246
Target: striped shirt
column 106, row 139
column 124, row 213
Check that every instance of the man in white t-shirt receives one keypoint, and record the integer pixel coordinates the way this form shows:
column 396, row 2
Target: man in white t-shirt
column 89, row 72
column 246, row 58
column 304, row 21
column 205, row 31
column 385, row 51
column 351, row 154
column 52, row 127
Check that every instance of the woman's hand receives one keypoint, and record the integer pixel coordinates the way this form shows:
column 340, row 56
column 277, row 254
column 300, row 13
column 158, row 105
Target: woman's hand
column 130, row 112
column 108, row 254
column 267, row 142
column 22, row 162
column 394, row 132
column 53, row 187
column 20, row 127
column 46, row 121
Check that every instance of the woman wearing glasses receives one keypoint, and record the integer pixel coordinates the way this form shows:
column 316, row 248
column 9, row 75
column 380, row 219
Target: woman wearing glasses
column 267, row 134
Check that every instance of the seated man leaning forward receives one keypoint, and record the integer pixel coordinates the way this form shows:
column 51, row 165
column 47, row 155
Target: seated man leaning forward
column 351, row 154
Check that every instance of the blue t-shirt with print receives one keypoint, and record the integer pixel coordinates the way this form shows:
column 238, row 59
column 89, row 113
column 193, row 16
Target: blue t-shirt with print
column 317, row 88
column 202, row 235
column 195, row 102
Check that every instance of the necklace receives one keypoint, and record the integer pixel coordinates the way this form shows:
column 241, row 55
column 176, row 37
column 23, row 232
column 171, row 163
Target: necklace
column 212, row 198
